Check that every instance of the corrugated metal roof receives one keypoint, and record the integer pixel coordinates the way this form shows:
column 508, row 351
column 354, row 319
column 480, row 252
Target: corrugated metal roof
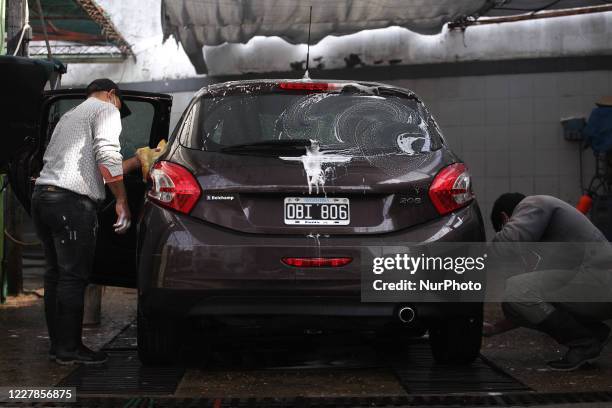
column 77, row 30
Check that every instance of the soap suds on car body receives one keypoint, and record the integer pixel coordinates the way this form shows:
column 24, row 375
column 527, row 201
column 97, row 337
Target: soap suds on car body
column 359, row 125
column 314, row 161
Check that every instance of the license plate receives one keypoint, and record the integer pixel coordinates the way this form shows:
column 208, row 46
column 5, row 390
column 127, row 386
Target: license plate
column 317, row 211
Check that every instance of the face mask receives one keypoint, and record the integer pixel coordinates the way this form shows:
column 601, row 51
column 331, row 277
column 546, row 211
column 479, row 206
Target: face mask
column 112, row 98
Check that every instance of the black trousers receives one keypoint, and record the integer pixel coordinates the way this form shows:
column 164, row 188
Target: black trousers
column 66, row 224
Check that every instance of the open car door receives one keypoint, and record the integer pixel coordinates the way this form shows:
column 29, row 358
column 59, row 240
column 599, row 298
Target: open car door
column 29, row 115
column 115, row 259
column 23, row 81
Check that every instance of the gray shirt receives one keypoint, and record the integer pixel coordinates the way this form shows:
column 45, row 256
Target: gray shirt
column 84, row 139
column 546, row 219
column 542, row 218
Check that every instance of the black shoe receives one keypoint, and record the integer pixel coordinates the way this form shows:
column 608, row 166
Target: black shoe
column 577, row 356
column 52, row 354
column 83, row 355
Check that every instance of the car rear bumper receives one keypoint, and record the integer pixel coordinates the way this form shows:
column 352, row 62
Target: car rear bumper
column 190, row 267
column 319, row 311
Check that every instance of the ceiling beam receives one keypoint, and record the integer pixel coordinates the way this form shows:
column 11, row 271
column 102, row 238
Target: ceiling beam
column 464, row 23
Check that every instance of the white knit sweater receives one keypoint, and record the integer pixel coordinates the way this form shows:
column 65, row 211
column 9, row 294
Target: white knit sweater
column 85, row 137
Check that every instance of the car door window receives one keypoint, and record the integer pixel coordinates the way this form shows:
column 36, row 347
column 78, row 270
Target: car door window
column 136, row 128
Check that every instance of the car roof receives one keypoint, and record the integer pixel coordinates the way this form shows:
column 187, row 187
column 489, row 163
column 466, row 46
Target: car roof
column 260, row 84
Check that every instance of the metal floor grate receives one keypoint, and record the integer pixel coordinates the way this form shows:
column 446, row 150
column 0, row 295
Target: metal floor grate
column 508, row 400
column 414, row 367
column 123, row 374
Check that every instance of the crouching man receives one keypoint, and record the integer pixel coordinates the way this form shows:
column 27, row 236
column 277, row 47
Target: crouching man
column 567, row 292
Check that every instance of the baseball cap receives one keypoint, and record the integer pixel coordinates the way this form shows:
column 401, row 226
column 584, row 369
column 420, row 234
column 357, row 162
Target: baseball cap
column 105, row 84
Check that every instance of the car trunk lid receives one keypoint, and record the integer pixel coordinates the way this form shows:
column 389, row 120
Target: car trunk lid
column 248, row 193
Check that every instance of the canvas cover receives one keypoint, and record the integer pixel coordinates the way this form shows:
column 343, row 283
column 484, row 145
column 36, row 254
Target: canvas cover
column 196, row 23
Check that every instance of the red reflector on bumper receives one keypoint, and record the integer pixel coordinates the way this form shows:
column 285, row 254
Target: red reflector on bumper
column 317, row 262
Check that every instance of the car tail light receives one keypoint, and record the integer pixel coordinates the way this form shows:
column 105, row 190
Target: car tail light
column 308, row 86
column 317, row 262
column 451, row 188
column 173, row 186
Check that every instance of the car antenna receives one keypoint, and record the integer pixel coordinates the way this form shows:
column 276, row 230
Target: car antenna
column 306, row 74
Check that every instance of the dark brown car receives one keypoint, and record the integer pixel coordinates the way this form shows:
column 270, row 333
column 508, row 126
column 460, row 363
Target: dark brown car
column 263, row 201
column 267, row 194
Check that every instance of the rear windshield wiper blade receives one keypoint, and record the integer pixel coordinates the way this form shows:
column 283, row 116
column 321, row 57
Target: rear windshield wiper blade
column 269, row 146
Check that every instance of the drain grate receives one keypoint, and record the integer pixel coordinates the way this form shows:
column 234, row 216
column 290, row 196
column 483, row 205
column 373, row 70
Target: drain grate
column 412, row 364
column 507, row 400
column 123, row 374
column 419, row 374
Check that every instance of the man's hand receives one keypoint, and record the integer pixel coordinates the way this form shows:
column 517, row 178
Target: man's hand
column 124, row 218
column 147, row 156
column 121, row 207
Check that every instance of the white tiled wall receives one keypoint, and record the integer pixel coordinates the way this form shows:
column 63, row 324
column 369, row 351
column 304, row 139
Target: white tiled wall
column 507, row 128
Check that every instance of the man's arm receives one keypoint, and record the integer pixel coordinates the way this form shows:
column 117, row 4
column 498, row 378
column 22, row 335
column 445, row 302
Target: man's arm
column 130, row 164
column 121, row 207
column 116, row 186
column 106, row 127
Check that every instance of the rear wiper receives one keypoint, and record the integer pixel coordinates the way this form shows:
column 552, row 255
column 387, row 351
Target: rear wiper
column 269, row 146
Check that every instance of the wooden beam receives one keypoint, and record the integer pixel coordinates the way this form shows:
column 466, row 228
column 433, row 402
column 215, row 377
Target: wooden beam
column 15, row 19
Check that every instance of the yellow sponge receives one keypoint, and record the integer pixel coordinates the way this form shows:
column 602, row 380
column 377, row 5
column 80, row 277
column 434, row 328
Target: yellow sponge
column 147, row 156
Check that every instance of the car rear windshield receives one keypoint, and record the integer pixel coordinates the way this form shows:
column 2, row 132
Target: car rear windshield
column 353, row 123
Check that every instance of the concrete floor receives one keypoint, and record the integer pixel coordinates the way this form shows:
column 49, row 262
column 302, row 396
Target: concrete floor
column 522, row 353
column 24, row 342
column 24, row 346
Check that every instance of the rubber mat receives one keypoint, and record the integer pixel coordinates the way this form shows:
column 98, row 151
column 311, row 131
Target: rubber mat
column 411, row 362
column 419, row 374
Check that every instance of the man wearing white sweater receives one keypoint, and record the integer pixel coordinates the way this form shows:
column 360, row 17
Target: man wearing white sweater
column 83, row 155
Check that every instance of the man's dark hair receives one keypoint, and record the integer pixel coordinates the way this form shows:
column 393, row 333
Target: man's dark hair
column 105, row 84
column 506, row 202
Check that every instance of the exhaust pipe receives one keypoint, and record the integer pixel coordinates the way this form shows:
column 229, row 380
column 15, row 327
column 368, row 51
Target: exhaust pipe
column 406, row 314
